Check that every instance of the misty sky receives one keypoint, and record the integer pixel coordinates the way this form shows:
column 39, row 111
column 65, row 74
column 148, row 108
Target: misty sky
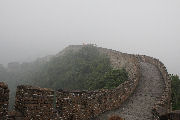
column 35, row 28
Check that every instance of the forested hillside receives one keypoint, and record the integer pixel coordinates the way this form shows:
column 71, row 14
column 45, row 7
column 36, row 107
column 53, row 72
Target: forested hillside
column 84, row 69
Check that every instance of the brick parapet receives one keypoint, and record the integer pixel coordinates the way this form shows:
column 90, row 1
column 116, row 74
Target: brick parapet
column 4, row 101
column 163, row 106
column 35, row 103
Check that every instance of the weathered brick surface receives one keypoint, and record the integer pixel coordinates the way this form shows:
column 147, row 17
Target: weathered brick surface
column 35, row 103
column 4, row 100
column 15, row 115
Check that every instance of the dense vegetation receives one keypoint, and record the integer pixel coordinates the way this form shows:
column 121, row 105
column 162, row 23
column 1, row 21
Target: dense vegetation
column 85, row 69
column 175, row 92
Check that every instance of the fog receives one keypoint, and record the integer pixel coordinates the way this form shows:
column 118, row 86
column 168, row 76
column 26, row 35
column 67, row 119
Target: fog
column 36, row 28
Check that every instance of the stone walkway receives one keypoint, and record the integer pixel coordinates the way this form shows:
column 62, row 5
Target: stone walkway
column 138, row 106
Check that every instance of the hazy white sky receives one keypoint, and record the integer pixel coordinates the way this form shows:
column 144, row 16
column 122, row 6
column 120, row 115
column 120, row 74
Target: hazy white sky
column 32, row 28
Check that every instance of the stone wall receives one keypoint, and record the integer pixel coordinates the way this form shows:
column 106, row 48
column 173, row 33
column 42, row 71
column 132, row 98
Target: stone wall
column 163, row 106
column 38, row 103
column 4, row 100
column 35, row 103
column 82, row 105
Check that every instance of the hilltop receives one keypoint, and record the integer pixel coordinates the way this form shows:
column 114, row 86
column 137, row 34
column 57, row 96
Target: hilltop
column 79, row 67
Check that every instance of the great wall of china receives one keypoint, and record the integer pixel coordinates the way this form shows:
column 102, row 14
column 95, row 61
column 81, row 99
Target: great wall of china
column 34, row 103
